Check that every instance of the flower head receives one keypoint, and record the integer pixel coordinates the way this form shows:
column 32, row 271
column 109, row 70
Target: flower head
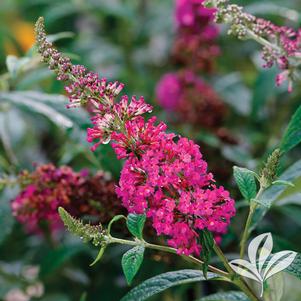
column 170, row 183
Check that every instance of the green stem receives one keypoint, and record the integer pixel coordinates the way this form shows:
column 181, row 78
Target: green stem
column 262, row 41
column 247, row 231
column 236, row 279
column 190, row 258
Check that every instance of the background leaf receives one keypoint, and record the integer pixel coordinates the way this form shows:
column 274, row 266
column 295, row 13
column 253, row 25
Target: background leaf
column 292, row 135
column 6, row 219
column 54, row 259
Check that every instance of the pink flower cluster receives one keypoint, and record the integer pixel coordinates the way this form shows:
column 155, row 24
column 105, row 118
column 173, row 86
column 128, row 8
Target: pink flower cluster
column 108, row 117
column 49, row 187
column 36, row 205
column 195, row 44
column 281, row 44
column 289, row 42
column 169, row 182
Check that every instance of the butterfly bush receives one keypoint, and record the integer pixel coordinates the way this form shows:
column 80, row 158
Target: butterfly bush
column 49, row 187
column 281, row 44
column 164, row 175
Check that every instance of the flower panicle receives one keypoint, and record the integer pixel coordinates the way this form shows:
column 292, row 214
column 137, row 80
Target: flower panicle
column 60, row 64
column 281, row 45
column 86, row 232
column 87, row 88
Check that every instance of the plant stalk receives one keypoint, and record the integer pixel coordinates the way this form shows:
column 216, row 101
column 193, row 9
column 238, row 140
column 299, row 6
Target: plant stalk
column 190, row 258
column 246, row 233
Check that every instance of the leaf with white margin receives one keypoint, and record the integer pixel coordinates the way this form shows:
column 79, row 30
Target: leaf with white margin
column 246, row 269
column 263, row 253
column 279, row 262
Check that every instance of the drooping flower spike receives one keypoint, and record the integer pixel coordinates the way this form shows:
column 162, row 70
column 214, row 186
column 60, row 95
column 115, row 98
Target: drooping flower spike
column 164, row 175
column 281, row 44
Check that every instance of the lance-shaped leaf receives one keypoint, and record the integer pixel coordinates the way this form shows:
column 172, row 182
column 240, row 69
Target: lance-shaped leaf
column 164, row 281
column 131, row 262
column 292, row 135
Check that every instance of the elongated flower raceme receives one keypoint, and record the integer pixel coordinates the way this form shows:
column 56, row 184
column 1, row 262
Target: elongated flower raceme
column 164, row 175
column 281, row 44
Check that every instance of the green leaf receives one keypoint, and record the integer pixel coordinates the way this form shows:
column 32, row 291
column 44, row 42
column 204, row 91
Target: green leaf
column 295, row 268
column 61, row 35
column 21, row 99
column 135, row 224
column 12, row 65
column 262, row 90
column 164, row 281
column 269, row 8
column 232, row 87
column 245, row 180
column 207, row 242
column 15, row 65
column 293, row 213
column 290, row 175
column 226, row 296
column 292, row 135
column 131, row 262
